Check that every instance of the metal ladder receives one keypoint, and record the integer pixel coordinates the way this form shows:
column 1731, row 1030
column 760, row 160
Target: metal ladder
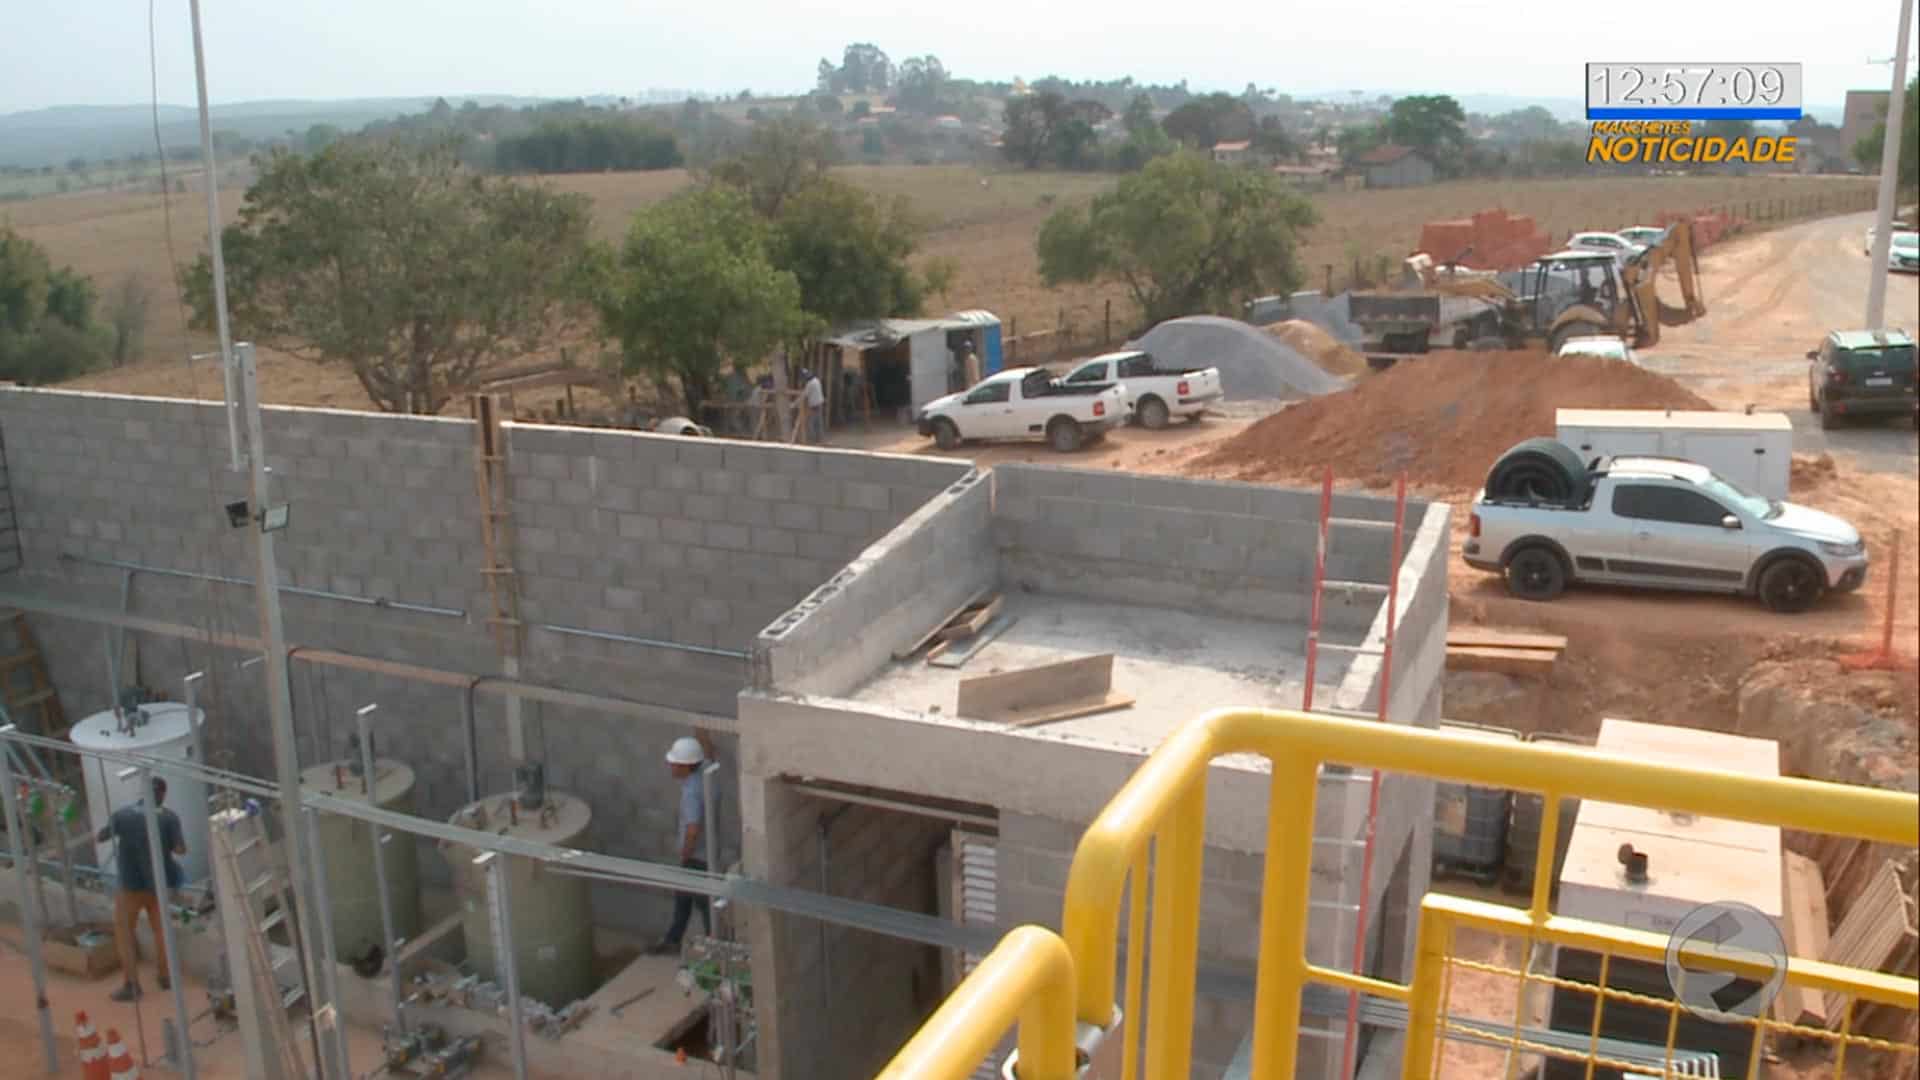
column 264, row 882
column 11, row 556
column 1357, row 910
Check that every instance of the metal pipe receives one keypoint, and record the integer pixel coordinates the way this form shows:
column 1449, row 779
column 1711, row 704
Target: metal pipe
column 1889, row 174
column 287, row 590
column 211, row 182
column 113, row 684
column 66, row 871
column 369, row 787
column 709, row 828
column 29, row 914
column 473, row 741
column 330, row 965
column 652, row 643
column 157, row 866
column 120, row 647
column 638, row 710
column 500, row 912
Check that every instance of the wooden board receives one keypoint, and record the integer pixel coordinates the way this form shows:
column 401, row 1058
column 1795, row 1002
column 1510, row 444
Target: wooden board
column 955, row 654
column 969, row 622
column 1107, row 702
column 934, row 631
column 1806, row 933
column 1030, row 691
column 1877, row 933
column 1495, row 638
column 1503, row 661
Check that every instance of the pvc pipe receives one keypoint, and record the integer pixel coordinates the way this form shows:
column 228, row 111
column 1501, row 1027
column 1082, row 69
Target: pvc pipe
column 291, row 590
column 370, row 788
column 500, row 911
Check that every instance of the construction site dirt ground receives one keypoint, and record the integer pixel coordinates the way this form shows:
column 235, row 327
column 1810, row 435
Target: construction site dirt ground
column 1672, row 657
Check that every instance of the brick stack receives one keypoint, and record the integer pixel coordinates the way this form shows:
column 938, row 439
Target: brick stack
column 1708, row 227
column 1498, row 240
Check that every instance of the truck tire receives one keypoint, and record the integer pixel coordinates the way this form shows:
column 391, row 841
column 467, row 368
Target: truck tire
column 1828, row 420
column 1790, row 585
column 1152, row 413
column 1063, row 434
column 945, row 435
column 1535, row 572
column 1539, row 470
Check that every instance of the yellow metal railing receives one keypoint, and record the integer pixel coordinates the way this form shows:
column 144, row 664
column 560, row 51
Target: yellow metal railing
column 1028, row 976
column 1161, row 812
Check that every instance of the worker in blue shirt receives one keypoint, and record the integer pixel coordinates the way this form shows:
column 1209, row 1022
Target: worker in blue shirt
column 685, row 759
column 134, row 863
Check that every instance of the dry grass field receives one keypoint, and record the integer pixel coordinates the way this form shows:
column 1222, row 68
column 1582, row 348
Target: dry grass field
column 983, row 222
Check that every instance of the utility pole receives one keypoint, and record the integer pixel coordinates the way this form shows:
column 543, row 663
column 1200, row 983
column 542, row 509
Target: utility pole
column 1889, row 176
column 242, row 382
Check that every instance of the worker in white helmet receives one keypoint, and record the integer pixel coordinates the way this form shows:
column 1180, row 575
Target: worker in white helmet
column 684, row 760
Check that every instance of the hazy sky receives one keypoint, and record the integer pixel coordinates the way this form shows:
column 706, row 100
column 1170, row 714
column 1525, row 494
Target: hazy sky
column 95, row 51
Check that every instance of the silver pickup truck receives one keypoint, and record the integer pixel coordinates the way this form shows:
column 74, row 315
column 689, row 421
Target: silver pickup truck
column 1662, row 523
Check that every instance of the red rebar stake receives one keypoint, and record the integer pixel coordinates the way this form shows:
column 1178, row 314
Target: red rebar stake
column 1883, row 658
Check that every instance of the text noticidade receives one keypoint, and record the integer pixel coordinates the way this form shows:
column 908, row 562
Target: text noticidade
column 1673, row 142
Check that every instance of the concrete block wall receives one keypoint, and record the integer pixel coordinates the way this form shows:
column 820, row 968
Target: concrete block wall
column 616, row 531
column 847, row 629
column 1210, row 546
column 838, row 1002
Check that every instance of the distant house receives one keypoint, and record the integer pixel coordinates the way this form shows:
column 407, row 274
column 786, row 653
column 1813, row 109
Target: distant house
column 1392, row 166
column 1233, row 153
column 1305, row 175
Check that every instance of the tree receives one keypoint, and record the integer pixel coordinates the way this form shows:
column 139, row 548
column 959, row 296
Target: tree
column 864, row 68
column 1185, row 235
column 694, row 286
column 398, row 261
column 1355, row 140
column 127, row 318
column 1030, row 124
column 1139, row 115
column 781, row 157
column 922, row 81
column 850, row 253
column 46, row 329
column 1273, row 139
column 1207, row 121
column 1872, row 146
column 1433, row 124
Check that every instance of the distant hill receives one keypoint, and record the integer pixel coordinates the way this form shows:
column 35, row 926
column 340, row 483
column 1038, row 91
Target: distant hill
column 1566, row 110
column 52, row 136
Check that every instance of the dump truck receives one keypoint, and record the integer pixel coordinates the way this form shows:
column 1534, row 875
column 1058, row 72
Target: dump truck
column 1557, row 297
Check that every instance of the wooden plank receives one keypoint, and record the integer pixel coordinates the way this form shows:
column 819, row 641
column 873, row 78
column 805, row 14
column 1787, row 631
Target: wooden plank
column 969, row 622
column 1107, row 702
column 953, row 654
column 921, row 643
column 1503, row 661
column 1495, row 638
column 1806, row 926
column 1029, row 690
column 1873, row 934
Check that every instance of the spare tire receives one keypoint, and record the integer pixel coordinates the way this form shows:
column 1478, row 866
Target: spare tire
column 1540, row 470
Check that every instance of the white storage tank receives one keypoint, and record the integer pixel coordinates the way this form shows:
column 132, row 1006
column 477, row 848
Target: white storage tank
column 159, row 729
column 552, row 929
column 1753, row 450
column 346, row 853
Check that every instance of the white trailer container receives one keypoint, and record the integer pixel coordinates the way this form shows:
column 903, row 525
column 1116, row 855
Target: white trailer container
column 159, row 729
column 1754, row 450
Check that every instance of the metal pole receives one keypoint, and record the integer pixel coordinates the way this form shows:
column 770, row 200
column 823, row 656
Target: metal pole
column 338, row 1042
column 190, row 690
column 29, row 915
column 65, row 843
column 1889, row 176
column 708, row 828
column 157, row 858
column 500, row 914
column 473, row 744
column 210, row 182
column 381, row 838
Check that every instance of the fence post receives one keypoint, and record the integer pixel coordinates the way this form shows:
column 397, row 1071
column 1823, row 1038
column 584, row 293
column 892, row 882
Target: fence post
column 1329, row 291
column 1106, row 324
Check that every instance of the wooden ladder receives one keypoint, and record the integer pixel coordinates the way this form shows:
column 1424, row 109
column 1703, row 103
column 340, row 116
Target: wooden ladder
column 34, row 692
column 491, row 484
column 267, row 904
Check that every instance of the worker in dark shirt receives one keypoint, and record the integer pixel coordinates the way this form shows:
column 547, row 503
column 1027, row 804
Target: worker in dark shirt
column 134, row 861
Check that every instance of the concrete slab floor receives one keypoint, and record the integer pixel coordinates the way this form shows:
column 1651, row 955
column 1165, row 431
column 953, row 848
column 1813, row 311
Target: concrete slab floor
column 225, row 1059
column 1175, row 665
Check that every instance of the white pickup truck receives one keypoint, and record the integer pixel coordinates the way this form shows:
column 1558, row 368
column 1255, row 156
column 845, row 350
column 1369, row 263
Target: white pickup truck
column 1154, row 393
column 1025, row 403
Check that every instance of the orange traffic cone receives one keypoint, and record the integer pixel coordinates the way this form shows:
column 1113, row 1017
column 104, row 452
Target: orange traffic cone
column 87, row 1047
column 120, row 1063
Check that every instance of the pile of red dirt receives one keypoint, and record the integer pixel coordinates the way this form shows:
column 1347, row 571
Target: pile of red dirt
column 1443, row 418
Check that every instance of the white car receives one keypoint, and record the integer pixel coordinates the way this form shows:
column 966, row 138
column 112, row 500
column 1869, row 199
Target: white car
column 1154, row 393
column 1609, row 348
column 1644, row 235
column 1904, row 252
column 1025, row 403
column 1614, row 244
column 1898, row 228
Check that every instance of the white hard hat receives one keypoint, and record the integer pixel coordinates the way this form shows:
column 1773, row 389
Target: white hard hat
column 686, row 751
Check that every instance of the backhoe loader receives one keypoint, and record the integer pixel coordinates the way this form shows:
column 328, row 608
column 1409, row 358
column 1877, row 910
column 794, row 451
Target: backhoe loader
column 1559, row 297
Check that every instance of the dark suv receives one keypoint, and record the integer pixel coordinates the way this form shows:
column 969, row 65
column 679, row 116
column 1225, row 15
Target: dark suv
column 1862, row 373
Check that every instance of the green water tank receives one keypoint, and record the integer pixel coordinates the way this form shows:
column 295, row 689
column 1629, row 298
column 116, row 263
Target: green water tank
column 552, row 914
column 346, row 853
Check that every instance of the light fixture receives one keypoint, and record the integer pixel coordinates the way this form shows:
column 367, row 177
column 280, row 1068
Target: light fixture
column 238, row 515
column 275, row 518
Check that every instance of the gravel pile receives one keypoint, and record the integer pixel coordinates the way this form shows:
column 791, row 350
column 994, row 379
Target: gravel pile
column 1253, row 364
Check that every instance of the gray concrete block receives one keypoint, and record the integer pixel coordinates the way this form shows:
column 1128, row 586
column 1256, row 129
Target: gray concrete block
column 748, row 510
column 856, row 524
column 678, row 477
column 682, row 531
column 639, row 527
column 698, row 453
column 774, row 542
column 770, row 486
column 816, row 491
column 721, row 482
column 798, row 517
column 705, row 507
column 864, row 496
column 729, row 537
